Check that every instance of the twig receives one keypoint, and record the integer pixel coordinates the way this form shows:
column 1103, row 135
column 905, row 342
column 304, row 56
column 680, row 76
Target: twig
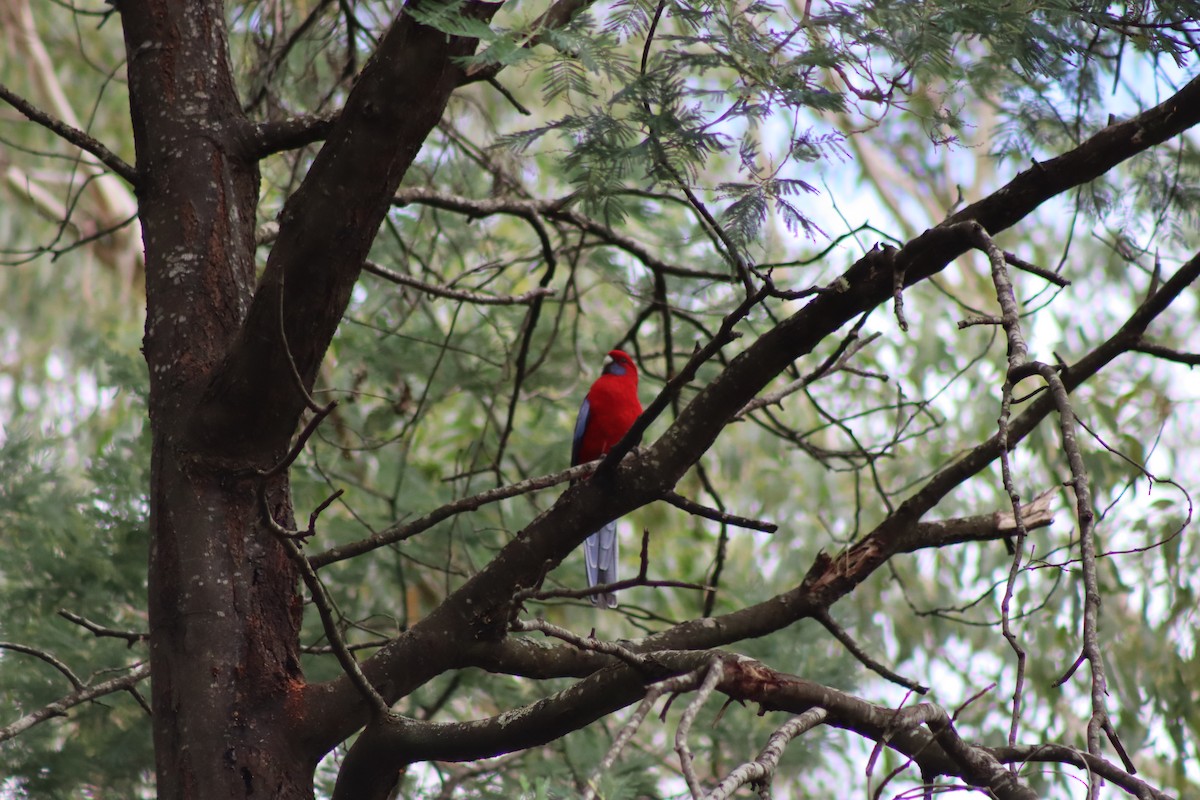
column 838, row 286
column 838, row 361
column 722, row 549
column 1115, row 741
column 1016, row 549
column 1154, row 479
column 298, row 447
column 640, row 579
column 590, row 644
column 604, row 588
column 762, row 768
column 716, row 671
column 839, row 633
column 288, row 533
column 466, row 295
column 528, row 327
column 72, row 135
column 978, row 319
column 321, row 600
column 1087, row 546
column 965, row 703
column 692, row 507
column 888, row 733
column 47, row 657
column 509, row 96
column 400, row 532
column 59, row 707
column 1033, row 269
column 555, row 211
column 132, row 637
column 1062, row 754
column 1017, row 353
column 1019, row 366
column 1158, row 351
column 679, row 683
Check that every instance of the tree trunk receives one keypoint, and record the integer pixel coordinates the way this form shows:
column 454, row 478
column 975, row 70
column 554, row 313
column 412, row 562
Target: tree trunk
column 231, row 359
column 224, row 615
column 224, row 607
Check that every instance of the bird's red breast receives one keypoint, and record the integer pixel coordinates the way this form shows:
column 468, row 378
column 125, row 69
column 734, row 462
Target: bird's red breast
column 611, row 407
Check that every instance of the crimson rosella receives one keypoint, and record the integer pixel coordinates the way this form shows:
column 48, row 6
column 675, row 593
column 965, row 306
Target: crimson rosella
column 606, row 415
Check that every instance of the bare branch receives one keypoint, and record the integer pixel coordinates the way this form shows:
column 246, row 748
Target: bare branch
column 1087, row 544
column 131, row 637
column 400, row 532
column 870, row 663
column 466, row 295
column 679, row 683
column 847, row 349
column 692, row 507
column 1034, row 269
column 712, row 677
column 762, row 768
column 590, row 644
column 1168, row 354
column 640, row 579
column 554, row 210
column 268, row 138
column 69, row 134
column 44, row 656
column 60, row 707
column 324, row 605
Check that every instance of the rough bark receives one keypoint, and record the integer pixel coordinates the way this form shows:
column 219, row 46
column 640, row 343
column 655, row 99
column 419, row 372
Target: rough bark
column 224, row 395
column 224, row 612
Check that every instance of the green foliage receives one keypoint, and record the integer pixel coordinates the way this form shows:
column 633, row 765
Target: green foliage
column 850, row 124
column 76, row 541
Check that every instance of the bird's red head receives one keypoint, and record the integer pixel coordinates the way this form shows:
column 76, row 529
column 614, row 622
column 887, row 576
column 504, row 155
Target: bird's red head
column 619, row 363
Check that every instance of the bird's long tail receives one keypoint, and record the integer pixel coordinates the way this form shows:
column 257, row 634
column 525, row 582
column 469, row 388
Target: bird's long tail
column 600, row 556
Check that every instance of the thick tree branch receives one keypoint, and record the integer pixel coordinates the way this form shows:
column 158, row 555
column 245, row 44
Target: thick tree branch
column 267, row 138
column 396, row 102
column 924, row 733
column 520, row 656
column 478, row 609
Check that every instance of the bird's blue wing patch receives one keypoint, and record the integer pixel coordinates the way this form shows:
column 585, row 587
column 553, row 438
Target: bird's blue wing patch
column 580, row 426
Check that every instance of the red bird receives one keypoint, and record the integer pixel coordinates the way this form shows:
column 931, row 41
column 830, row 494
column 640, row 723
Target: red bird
column 606, row 415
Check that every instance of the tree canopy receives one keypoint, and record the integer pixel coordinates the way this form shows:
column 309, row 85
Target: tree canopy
column 300, row 300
